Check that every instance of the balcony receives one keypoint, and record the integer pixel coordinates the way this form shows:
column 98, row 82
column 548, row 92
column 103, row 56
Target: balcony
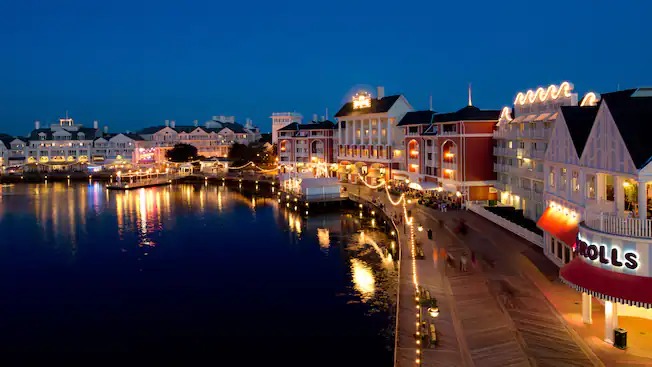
column 504, row 152
column 523, row 192
column 542, row 133
column 449, row 165
column 501, row 168
column 619, row 225
column 498, row 185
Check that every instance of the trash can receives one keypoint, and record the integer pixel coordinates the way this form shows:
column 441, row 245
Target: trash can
column 620, row 338
column 430, row 234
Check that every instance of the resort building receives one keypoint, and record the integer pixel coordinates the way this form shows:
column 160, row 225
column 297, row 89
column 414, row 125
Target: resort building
column 521, row 142
column 597, row 218
column 371, row 143
column 452, row 151
column 212, row 140
column 61, row 145
column 282, row 119
column 117, row 149
column 307, row 146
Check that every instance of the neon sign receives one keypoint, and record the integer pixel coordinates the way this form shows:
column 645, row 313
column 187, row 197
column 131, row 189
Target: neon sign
column 600, row 252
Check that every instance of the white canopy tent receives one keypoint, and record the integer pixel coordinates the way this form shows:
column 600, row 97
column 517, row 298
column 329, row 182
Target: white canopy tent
column 423, row 186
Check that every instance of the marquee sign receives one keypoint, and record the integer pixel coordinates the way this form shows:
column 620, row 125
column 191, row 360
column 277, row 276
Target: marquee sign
column 361, row 100
column 600, row 252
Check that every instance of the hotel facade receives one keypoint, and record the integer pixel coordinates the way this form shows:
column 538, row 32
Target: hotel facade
column 596, row 223
column 300, row 145
column 370, row 142
column 521, row 143
column 451, row 151
column 69, row 144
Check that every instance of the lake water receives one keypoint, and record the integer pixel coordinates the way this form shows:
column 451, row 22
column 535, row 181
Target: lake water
column 185, row 272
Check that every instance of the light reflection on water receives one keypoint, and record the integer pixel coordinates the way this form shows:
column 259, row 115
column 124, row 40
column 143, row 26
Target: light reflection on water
column 363, row 279
column 69, row 218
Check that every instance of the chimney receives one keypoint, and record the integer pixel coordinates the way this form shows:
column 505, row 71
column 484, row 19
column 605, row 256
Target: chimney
column 380, row 92
column 167, row 122
column 106, row 129
column 196, row 123
column 37, row 124
column 314, row 117
column 173, row 124
column 322, row 119
column 95, row 125
column 326, row 113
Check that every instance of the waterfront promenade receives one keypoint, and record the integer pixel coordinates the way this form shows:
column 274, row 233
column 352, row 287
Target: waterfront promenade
column 491, row 315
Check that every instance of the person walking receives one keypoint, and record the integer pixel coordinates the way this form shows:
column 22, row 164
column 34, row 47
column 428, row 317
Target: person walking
column 463, row 262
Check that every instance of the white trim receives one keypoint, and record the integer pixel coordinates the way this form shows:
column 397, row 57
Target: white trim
column 603, row 296
column 478, row 135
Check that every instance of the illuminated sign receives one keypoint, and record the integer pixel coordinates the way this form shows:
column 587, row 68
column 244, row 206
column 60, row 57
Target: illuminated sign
column 600, row 252
column 361, row 100
column 551, row 93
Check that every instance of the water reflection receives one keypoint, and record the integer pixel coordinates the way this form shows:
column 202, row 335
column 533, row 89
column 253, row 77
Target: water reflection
column 92, row 238
column 363, row 279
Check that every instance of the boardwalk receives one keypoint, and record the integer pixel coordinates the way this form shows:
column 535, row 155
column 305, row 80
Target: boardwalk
column 490, row 315
column 535, row 327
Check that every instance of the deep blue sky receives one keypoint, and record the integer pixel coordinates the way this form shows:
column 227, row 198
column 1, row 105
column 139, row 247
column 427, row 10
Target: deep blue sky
column 131, row 64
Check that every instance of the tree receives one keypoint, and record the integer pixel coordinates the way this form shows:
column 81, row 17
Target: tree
column 181, row 153
column 241, row 154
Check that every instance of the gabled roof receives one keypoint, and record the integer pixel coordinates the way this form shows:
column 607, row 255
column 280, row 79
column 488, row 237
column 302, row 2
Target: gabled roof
column 133, row 136
column 151, row 130
column 631, row 109
column 235, row 127
column 188, row 129
column 468, row 113
column 89, row 133
column 579, row 121
column 6, row 140
column 377, row 106
column 417, row 118
column 314, row 125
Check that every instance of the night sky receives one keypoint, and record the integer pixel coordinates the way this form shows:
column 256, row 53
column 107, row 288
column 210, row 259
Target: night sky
column 131, row 64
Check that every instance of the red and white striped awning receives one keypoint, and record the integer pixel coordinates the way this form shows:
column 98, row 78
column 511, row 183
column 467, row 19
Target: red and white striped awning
column 607, row 285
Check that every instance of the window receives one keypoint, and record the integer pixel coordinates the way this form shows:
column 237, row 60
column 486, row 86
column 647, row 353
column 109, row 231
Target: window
column 428, row 143
column 562, row 177
column 590, row 186
column 559, row 250
column 429, row 156
column 567, row 255
column 551, row 177
column 509, row 144
column 552, row 245
column 521, row 144
column 575, row 182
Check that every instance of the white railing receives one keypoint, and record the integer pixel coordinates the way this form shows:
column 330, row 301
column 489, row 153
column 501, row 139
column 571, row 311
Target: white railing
column 501, row 167
column 512, row 227
column 505, row 134
column 449, row 165
column 507, row 152
column 619, row 225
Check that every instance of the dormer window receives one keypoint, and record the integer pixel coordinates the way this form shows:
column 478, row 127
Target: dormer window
column 81, row 136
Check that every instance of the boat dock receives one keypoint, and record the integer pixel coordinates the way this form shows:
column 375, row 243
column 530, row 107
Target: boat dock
column 138, row 180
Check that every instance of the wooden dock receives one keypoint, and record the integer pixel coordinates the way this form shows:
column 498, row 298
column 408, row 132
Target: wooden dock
column 139, row 185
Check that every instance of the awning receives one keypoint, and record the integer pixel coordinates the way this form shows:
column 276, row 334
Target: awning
column 563, row 226
column 450, row 187
column 423, row 186
column 607, row 285
column 542, row 117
